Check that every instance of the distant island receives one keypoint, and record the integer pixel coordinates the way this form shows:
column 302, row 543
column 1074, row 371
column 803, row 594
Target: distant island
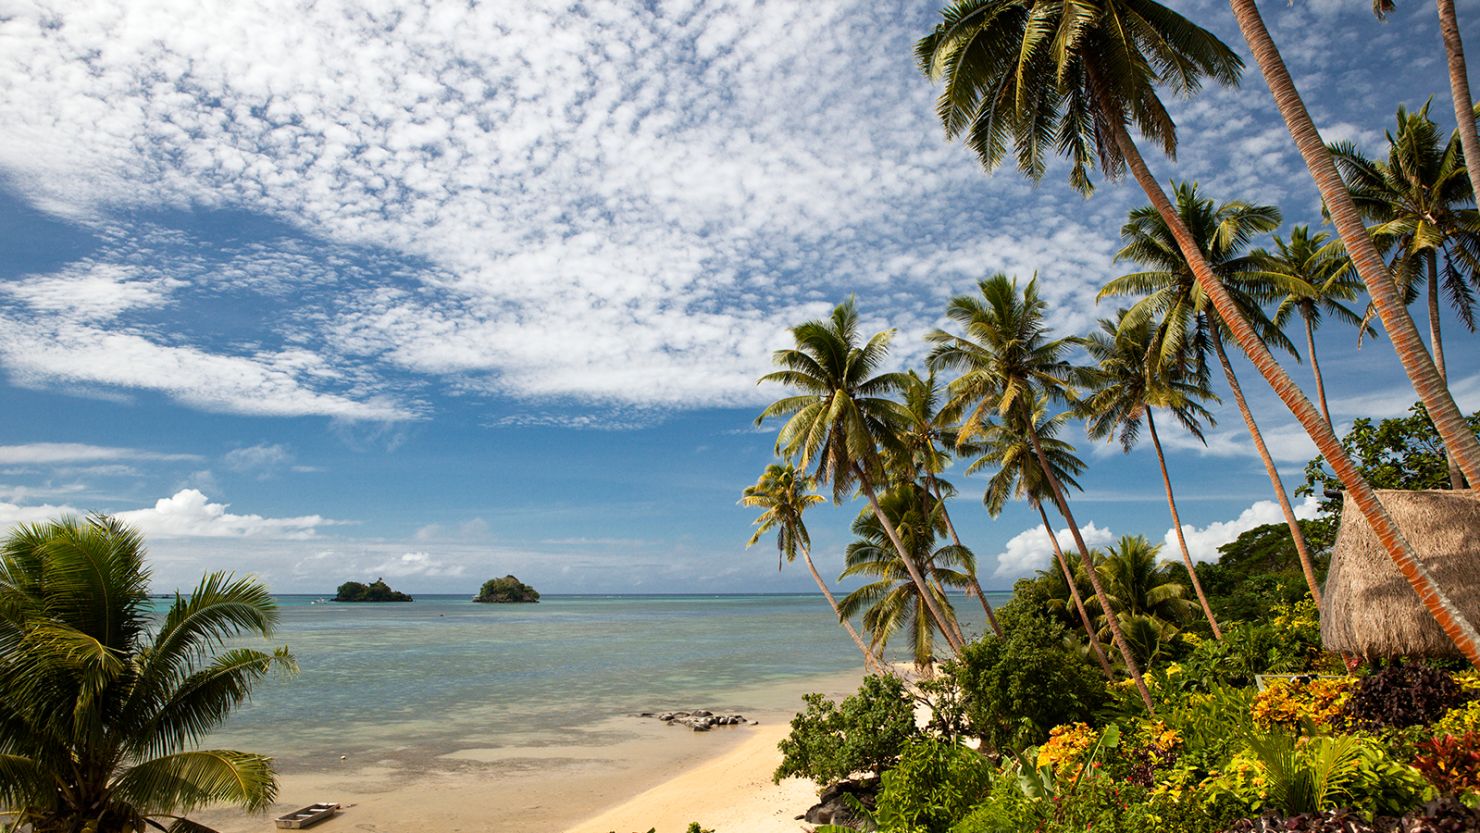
column 506, row 590
column 376, row 591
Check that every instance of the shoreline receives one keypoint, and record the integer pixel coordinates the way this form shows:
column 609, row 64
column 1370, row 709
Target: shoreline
column 624, row 774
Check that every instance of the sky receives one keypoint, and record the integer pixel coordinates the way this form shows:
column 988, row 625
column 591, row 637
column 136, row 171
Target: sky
column 442, row 291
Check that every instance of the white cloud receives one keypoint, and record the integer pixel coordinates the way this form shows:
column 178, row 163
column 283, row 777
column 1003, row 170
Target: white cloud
column 416, row 564
column 1203, row 544
column 1030, row 550
column 11, row 514
column 57, row 453
column 262, row 459
column 189, row 514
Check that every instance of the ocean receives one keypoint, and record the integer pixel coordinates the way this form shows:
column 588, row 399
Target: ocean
column 416, row 681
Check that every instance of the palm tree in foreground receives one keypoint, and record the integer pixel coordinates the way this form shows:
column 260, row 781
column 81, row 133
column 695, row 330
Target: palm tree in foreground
column 1053, row 77
column 842, row 416
column 1392, row 309
column 1183, row 314
column 785, row 495
column 1008, row 362
column 892, row 601
column 99, row 712
column 1129, row 382
column 1005, row 446
column 1320, row 278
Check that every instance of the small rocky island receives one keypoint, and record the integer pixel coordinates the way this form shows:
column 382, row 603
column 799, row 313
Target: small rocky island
column 376, row 591
column 506, row 590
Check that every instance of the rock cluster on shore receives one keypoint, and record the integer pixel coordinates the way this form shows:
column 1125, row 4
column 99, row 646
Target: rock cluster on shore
column 699, row 720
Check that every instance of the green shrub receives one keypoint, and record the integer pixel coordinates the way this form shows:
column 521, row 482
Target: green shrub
column 1005, row 809
column 934, row 785
column 1290, row 774
column 1018, row 687
column 865, row 733
column 1289, row 644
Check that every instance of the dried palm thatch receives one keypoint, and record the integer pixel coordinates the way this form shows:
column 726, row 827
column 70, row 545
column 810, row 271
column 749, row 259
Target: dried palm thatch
column 1369, row 608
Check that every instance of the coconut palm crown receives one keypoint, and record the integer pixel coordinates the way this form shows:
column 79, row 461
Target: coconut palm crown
column 101, row 705
column 1050, row 77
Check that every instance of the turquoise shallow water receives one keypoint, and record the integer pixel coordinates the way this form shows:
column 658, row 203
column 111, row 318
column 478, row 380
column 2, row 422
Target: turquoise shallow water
column 421, row 679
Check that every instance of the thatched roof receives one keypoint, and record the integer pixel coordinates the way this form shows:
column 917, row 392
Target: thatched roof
column 1369, row 609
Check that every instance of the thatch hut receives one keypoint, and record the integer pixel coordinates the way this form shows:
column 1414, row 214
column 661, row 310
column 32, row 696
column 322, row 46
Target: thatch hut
column 1369, row 609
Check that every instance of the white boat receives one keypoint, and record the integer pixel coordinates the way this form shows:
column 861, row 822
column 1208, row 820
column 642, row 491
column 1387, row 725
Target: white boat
column 307, row 816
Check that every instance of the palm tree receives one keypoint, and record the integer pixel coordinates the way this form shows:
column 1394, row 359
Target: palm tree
column 1459, row 80
column 1044, row 75
column 842, row 416
column 100, row 706
column 1007, row 362
column 1184, row 316
column 1420, row 200
column 923, row 455
column 785, row 495
column 894, row 601
column 1321, row 277
column 1129, row 382
column 1392, row 309
column 1137, row 585
column 1005, row 447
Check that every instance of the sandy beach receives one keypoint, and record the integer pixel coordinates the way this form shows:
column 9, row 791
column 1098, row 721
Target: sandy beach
column 624, row 774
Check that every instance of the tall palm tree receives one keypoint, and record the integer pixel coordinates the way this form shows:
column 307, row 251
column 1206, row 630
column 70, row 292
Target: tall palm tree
column 1321, row 279
column 1421, row 202
column 785, row 495
column 893, row 601
column 842, row 416
column 1129, row 382
column 1184, row 315
column 1007, row 362
column 1459, row 80
column 1005, row 446
column 100, row 705
column 1049, row 76
column 925, row 442
column 1393, row 311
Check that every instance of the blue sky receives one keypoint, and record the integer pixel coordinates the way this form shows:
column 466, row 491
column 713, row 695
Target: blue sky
column 331, row 291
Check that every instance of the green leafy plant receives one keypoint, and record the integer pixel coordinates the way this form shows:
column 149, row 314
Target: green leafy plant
column 1289, row 774
column 933, row 787
column 865, row 733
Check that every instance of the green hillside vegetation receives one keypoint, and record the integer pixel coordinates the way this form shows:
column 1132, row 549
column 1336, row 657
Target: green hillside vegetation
column 376, row 591
column 506, row 590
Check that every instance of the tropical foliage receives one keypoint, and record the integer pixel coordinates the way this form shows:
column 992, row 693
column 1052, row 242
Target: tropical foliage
column 103, row 704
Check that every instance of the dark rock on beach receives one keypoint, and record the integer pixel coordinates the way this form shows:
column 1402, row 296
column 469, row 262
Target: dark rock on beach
column 700, row 720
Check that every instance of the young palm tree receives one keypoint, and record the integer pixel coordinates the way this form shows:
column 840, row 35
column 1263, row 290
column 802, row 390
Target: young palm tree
column 1136, row 585
column 1183, row 313
column 1420, row 200
column 1127, row 387
column 1321, row 277
column 1068, row 78
column 1005, row 446
column 100, row 708
column 1007, row 362
column 785, row 495
column 1393, row 311
column 925, row 442
column 842, row 416
column 893, row 601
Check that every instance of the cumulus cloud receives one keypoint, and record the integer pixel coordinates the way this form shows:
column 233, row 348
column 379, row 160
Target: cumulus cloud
column 190, row 514
column 1203, row 544
column 1030, row 550
column 416, row 564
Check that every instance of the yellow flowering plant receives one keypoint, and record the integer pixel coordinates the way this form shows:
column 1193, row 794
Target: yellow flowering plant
column 1066, row 748
column 1302, row 701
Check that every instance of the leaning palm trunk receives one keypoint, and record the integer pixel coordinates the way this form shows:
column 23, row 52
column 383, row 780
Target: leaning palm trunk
column 1439, row 605
column 1301, row 550
column 1089, row 629
column 941, row 622
column 1094, row 577
column 976, row 586
column 1166, row 481
column 1315, row 365
column 1431, row 388
column 869, row 660
column 1459, row 89
column 1436, row 344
